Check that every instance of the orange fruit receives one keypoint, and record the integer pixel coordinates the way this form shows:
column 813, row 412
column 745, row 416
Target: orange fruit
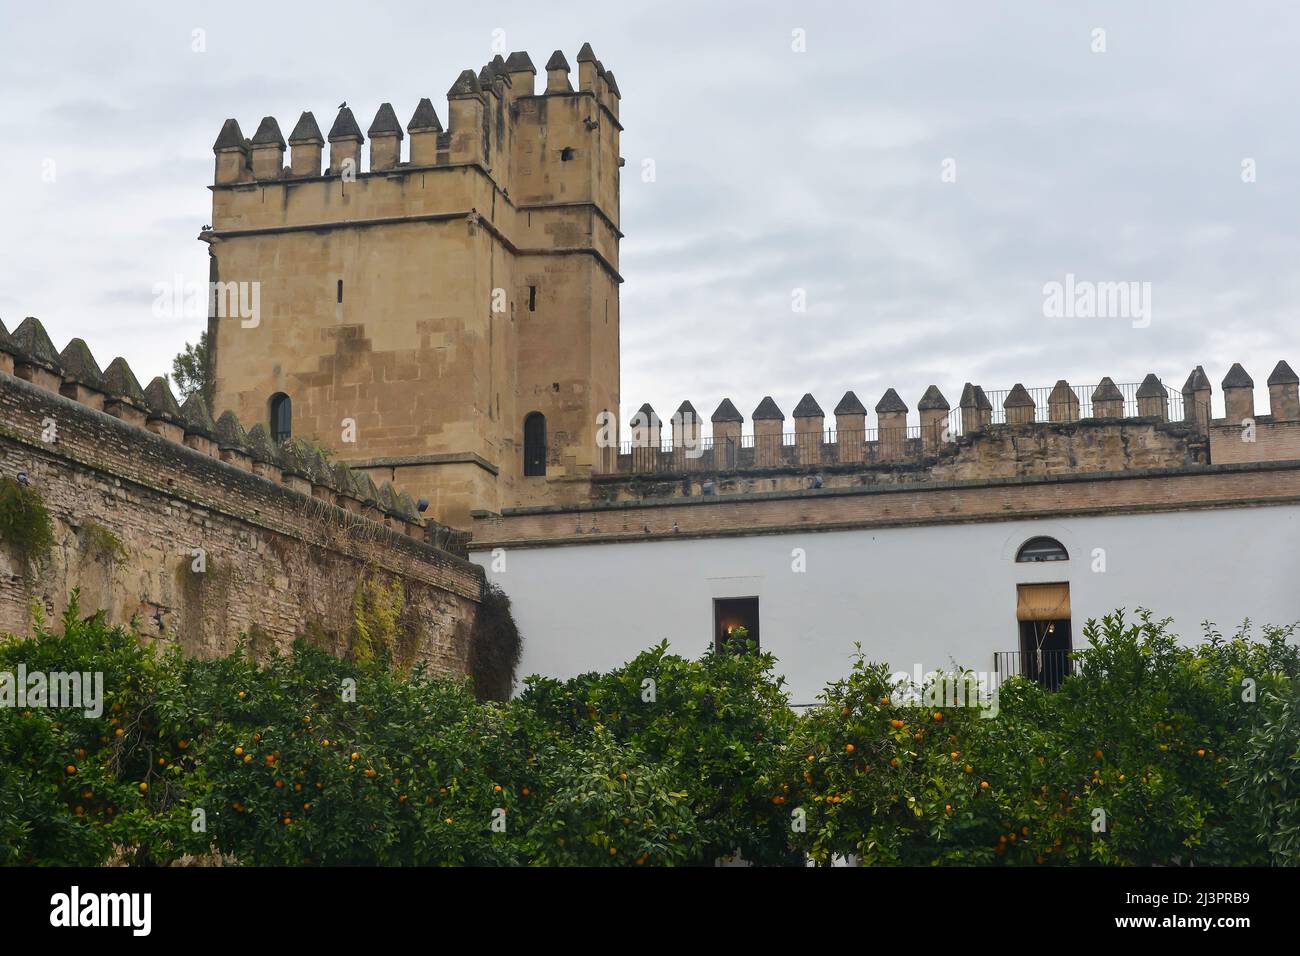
column 144, row 788
column 938, row 715
column 848, row 748
column 984, row 784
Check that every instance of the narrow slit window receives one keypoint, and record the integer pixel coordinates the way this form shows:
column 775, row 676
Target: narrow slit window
column 340, row 293
column 535, row 445
column 532, row 298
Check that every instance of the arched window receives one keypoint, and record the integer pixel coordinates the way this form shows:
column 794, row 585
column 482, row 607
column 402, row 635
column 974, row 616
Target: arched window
column 281, row 417
column 535, row 445
column 1042, row 549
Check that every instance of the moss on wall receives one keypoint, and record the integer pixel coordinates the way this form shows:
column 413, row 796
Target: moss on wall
column 25, row 526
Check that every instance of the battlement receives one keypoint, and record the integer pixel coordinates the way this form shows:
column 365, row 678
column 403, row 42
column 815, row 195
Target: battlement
column 769, row 445
column 30, row 355
column 531, row 148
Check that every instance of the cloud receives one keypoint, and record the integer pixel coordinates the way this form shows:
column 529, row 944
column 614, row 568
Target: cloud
column 776, row 171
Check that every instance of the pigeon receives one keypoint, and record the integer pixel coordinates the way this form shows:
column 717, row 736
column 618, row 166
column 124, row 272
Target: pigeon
column 343, row 105
column 22, row 479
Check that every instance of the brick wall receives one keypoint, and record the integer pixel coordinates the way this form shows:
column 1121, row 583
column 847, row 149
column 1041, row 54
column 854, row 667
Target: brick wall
column 275, row 558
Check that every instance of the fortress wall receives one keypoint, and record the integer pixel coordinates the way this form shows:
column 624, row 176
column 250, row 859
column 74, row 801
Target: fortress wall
column 278, row 561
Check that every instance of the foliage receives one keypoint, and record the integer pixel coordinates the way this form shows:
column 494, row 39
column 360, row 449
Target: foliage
column 25, row 525
column 496, row 648
column 376, row 610
column 102, row 544
column 193, row 370
column 311, row 759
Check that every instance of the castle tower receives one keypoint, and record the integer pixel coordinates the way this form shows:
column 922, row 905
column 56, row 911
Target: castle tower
column 448, row 320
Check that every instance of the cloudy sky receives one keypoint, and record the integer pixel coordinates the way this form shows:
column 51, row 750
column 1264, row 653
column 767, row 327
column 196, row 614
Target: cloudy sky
column 920, row 170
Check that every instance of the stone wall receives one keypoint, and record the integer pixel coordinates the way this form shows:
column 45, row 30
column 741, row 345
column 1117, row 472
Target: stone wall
column 897, row 505
column 995, row 451
column 130, row 508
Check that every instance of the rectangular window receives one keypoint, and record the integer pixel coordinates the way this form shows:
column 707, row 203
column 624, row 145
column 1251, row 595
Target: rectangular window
column 532, row 298
column 735, row 624
column 340, row 292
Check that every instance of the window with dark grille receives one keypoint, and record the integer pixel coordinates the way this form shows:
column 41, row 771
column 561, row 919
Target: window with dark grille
column 1042, row 549
column 535, row 445
column 281, row 417
column 735, row 624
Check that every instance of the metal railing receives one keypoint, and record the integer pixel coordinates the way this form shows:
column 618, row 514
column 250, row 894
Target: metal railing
column 1048, row 667
column 669, row 448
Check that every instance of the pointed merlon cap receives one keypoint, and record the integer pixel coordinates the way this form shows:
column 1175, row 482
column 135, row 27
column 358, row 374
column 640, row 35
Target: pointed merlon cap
column 485, row 77
column 808, row 408
column 306, row 131
column 79, row 366
column 767, row 411
column 850, row 404
column 1282, row 375
column 230, row 137
column 386, row 123
column 268, row 133
column 6, row 340
column 558, row 62
column 1198, row 381
column 1107, row 391
column 498, row 67
column 969, row 399
column 345, row 480
column 35, row 345
column 982, row 400
column 647, row 413
column 685, row 409
column 425, row 118
column 890, row 402
column 613, row 86
column 388, row 499
column 932, row 400
column 726, row 412
column 230, row 433
column 1151, row 387
column 369, row 490
column 586, row 54
column 1061, row 393
column 317, row 467
column 1018, row 397
column 198, row 420
column 1237, row 378
column 123, row 384
column 260, row 446
column 292, row 460
column 345, row 127
column 520, row 62
column 162, row 403
column 406, row 505
column 466, row 85
column 600, row 69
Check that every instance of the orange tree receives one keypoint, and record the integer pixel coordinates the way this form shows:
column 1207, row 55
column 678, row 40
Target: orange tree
column 74, row 787
column 1151, row 753
column 1130, row 762
column 713, row 728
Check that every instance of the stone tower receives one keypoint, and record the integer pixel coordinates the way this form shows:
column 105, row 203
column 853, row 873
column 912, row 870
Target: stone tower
column 421, row 314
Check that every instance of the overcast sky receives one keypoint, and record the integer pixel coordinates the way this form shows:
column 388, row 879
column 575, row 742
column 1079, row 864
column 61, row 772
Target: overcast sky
column 776, row 170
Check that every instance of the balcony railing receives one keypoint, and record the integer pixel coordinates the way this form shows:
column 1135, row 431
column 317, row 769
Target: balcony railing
column 1048, row 667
